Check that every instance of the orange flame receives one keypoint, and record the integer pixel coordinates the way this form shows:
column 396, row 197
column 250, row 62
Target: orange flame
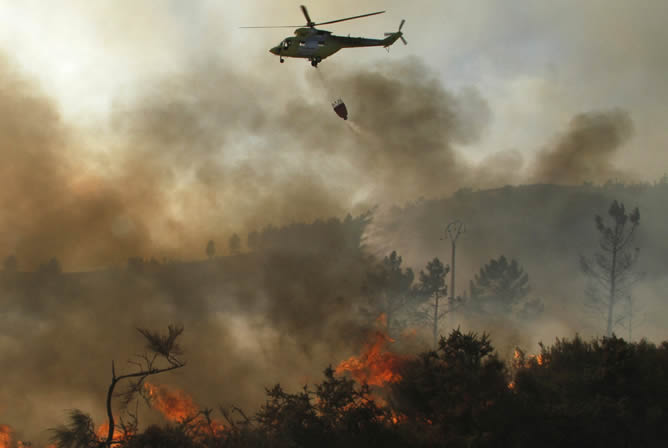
column 520, row 360
column 5, row 436
column 398, row 418
column 103, row 431
column 375, row 366
column 177, row 406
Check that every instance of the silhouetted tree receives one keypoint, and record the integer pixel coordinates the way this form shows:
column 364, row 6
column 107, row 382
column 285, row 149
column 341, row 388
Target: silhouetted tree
column 159, row 347
column 499, row 287
column 11, row 264
column 338, row 413
column 610, row 270
column 604, row 393
column 235, row 244
column 432, row 287
column 454, row 388
column 79, row 433
column 210, row 249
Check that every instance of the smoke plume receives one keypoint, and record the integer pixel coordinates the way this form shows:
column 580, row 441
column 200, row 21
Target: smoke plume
column 585, row 152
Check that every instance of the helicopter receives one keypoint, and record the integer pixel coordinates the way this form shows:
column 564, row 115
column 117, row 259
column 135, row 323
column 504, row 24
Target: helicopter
column 315, row 44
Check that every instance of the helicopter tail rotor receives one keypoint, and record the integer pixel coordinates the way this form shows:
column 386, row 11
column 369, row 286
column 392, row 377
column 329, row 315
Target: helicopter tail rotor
column 398, row 33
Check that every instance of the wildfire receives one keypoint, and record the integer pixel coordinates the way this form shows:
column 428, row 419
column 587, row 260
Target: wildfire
column 177, row 406
column 5, row 436
column 398, row 418
column 174, row 404
column 103, row 430
column 521, row 361
column 375, row 366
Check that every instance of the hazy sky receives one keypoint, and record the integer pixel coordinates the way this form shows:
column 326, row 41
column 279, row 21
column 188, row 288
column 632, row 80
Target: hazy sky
column 508, row 80
column 537, row 63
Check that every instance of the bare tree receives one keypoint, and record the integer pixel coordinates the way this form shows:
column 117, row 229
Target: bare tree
column 610, row 270
column 158, row 347
column 161, row 356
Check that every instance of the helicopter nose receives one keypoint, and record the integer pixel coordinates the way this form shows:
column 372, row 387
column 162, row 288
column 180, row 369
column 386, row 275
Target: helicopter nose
column 274, row 50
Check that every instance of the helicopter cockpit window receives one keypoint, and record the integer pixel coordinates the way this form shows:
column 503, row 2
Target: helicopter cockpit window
column 286, row 44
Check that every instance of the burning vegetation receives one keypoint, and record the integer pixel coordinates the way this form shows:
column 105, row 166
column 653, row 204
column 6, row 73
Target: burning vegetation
column 375, row 366
column 460, row 394
column 178, row 407
column 5, row 436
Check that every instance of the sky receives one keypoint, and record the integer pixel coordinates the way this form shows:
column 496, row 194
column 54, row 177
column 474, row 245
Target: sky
column 515, row 80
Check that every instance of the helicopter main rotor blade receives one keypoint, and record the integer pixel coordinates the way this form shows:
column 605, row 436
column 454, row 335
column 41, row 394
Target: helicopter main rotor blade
column 401, row 25
column 278, row 26
column 348, row 18
column 309, row 22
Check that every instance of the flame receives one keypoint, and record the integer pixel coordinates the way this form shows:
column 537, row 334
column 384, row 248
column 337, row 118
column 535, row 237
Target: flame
column 177, row 406
column 5, row 436
column 375, row 366
column 520, row 361
column 511, row 385
column 103, row 431
column 397, row 418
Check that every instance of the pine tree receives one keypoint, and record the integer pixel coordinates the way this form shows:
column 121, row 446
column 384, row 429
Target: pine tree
column 610, row 270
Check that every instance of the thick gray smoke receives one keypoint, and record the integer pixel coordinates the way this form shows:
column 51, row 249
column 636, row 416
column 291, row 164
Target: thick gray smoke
column 584, row 153
column 200, row 155
column 209, row 152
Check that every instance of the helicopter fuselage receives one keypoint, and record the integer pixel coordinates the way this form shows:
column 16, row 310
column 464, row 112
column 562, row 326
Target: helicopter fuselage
column 315, row 45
